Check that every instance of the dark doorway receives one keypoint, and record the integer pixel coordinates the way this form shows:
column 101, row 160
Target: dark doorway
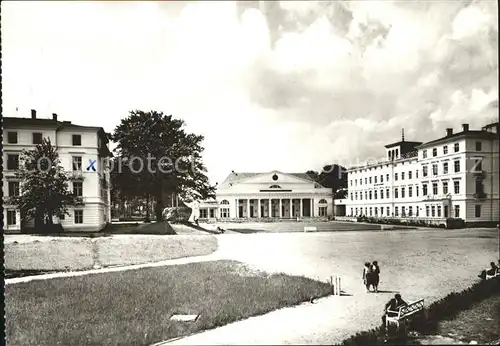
column 240, row 211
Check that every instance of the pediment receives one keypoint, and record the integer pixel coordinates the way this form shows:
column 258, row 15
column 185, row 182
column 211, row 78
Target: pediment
column 276, row 179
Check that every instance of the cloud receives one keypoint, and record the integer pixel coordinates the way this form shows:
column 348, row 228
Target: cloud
column 271, row 85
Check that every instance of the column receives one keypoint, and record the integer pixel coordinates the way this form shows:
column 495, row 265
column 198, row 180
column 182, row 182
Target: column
column 248, row 208
column 269, row 208
column 300, row 210
column 236, row 202
column 258, row 208
column 290, row 208
column 311, row 207
column 280, row 214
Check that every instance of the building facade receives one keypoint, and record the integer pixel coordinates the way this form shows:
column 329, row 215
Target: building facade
column 271, row 195
column 456, row 176
column 82, row 152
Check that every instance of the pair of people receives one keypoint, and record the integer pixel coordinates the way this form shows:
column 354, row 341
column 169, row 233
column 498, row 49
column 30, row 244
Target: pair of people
column 493, row 270
column 371, row 276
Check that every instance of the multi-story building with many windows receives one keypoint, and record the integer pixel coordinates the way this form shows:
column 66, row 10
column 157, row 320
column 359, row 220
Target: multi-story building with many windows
column 81, row 149
column 456, row 176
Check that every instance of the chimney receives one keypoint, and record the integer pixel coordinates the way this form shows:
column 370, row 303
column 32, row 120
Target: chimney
column 449, row 132
column 54, row 116
column 465, row 127
column 33, row 114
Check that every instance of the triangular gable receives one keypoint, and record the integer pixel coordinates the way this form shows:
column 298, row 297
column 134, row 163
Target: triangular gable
column 269, row 178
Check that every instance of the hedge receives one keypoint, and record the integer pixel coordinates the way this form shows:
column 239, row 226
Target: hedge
column 427, row 322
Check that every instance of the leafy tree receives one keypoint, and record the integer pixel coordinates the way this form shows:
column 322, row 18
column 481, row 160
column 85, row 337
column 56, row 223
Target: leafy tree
column 333, row 176
column 44, row 185
column 159, row 157
column 313, row 175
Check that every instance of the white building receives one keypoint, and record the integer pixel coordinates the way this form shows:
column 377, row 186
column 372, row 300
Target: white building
column 271, row 195
column 456, row 176
column 81, row 150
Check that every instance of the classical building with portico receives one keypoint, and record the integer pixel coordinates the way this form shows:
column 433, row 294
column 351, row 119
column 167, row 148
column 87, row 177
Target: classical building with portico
column 273, row 195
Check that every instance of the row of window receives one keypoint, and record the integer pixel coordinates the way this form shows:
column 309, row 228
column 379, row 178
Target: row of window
column 12, row 217
column 14, row 188
column 456, row 148
column 13, row 138
column 430, row 211
column 224, row 212
column 13, row 162
column 375, row 195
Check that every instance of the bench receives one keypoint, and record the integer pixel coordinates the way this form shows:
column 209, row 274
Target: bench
column 310, row 229
column 404, row 312
column 492, row 276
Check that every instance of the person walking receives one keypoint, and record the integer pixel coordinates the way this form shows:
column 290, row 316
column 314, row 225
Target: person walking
column 367, row 276
column 376, row 275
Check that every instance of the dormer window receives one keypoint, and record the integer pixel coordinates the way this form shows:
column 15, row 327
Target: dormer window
column 275, row 187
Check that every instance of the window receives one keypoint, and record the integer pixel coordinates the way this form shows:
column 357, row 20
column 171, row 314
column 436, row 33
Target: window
column 356, row 195
column 11, row 217
column 409, row 175
column 376, row 211
column 227, row 202
column 387, row 193
column 456, row 187
column 433, row 210
column 479, row 187
column 427, row 212
column 78, row 216
column 322, row 211
column 78, row 188
column 445, row 187
column 356, row 182
column 456, row 147
column 457, row 166
column 438, row 211
column 360, row 195
column 387, row 177
column 402, row 175
column 416, row 174
column 77, row 163
column 350, row 182
column 457, row 210
column 410, row 211
column 434, row 188
column 416, row 190
column 395, row 176
column 212, row 213
column 375, row 179
column 445, row 150
column 403, row 211
column 387, row 211
column 77, row 139
column 402, row 192
column 224, row 212
column 396, row 211
column 478, row 166
column 381, row 194
column 62, row 217
column 445, row 168
column 366, row 194
column 434, row 169
column 356, row 213
column 203, row 214
column 410, row 191
column 13, row 188
column 12, row 137
column 12, row 162
column 381, row 178
column 424, row 154
column 424, row 189
column 370, row 194
column 375, row 194
column 371, row 211
column 395, row 193
column 424, row 171
column 37, row 138
column 434, row 152
column 366, row 181
column 479, row 146
column 478, row 210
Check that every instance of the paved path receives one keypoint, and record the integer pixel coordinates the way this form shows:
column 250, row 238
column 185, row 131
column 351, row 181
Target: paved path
column 428, row 259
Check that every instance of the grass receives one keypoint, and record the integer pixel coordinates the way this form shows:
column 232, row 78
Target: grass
column 480, row 323
column 134, row 307
column 83, row 253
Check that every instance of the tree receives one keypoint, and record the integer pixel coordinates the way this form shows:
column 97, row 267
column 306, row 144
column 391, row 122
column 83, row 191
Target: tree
column 334, row 177
column 158, row 156
column 44, row 185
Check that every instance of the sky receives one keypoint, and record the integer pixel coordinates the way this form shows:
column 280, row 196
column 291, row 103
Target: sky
column 288, row 86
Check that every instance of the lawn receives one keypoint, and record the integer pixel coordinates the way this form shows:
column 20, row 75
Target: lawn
column 82, row 253
column 134, row 307
column 480, row 323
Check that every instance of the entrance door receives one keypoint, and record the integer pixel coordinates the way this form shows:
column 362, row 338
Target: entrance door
column 251, row 211
column 240, row 211
column 261, row 211
column 445, row 211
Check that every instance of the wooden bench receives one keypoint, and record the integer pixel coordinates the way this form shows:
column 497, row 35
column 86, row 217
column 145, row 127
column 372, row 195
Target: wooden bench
column 492, row 276
column 310, row 229
column 404, row 312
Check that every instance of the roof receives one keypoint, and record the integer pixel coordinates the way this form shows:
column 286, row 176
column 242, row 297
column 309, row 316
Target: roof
column 238, row 176
column 407, row 143
column 470, row 134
